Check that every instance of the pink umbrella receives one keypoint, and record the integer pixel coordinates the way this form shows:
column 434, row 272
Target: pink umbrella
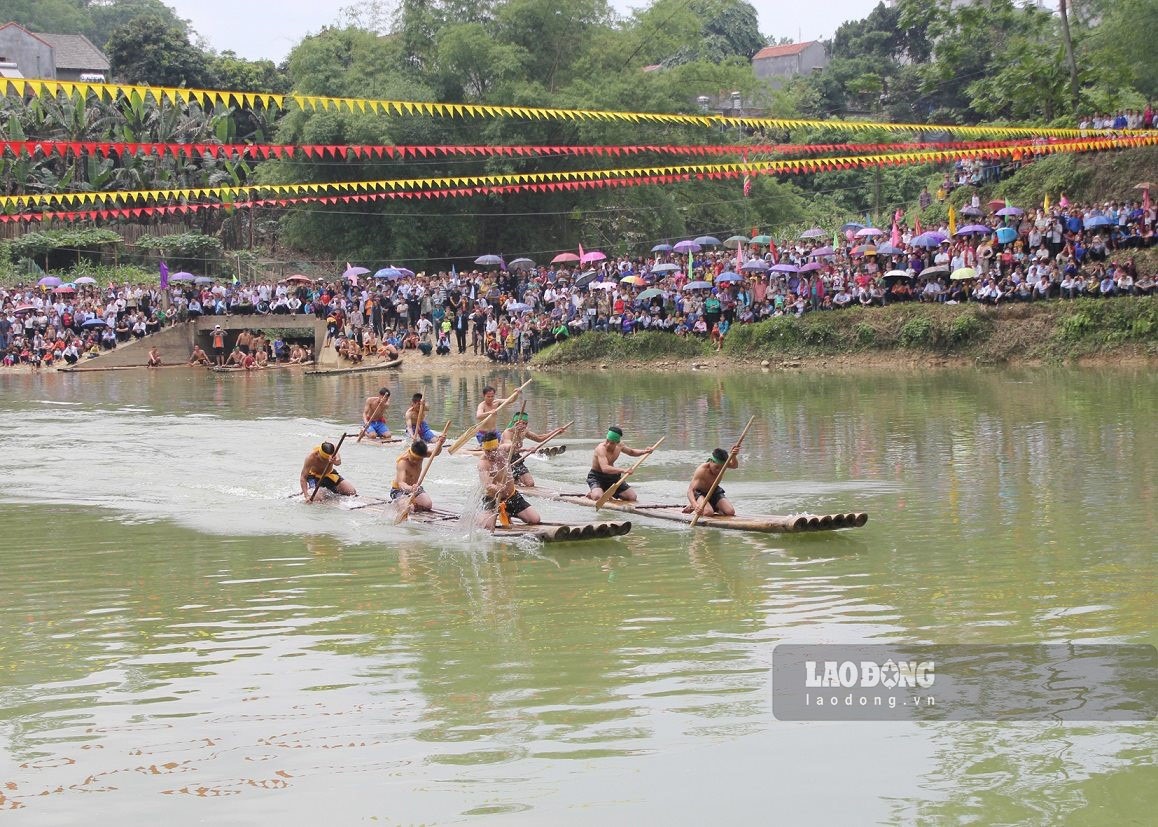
column 869, row 232
column 564, row 257
column 594, row 255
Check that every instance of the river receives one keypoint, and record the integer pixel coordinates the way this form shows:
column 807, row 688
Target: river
column 183, row 643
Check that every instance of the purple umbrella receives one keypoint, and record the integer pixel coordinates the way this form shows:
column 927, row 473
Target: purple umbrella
column 355, row 271
column 687, row 247
column 49, row 281
column 755, row 264
column 594, row 255
column 785, row 268
column 810, row 266
column 815, row 232
column 725, row 278
column 974, row 229
column 926, row 240
column 1010, row 211
column 821, row 252
column 869, row 232
column 406, row 272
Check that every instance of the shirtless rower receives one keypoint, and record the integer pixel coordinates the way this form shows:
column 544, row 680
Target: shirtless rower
column 199, row 357
column 374, row 415
column 604, row 474
column 702, row 479
column 514, row 435
column 414, row 430
column 320, row 468
column 407, row 470
column 500, row 499
column 485, row 413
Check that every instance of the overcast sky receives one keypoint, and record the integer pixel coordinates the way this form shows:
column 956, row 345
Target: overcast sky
column 270, row 28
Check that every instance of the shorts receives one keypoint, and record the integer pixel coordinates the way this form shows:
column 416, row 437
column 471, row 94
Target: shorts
column 378, row 428
column 717, row 495
column 395, row 493
column 482, row 435
column 330, row 481
column 516, row 504
column 424, row 433
column 518, row 469
column 595, row 479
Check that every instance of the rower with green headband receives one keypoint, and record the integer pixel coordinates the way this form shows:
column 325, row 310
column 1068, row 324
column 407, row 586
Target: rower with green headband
column 604, row 474
column 517, row 430
column 408, row 470
column 500, row 500
column 703, row 477
column 320, row 468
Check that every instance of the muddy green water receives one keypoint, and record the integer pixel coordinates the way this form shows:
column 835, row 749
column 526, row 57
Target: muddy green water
column 181, row 644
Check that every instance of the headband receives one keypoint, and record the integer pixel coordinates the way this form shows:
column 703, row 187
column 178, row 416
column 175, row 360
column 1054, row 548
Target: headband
column 322, row 451
column 490, row 443
column 519, row 417
column 614, row 436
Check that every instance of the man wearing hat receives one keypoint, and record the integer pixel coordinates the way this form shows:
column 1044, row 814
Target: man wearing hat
column 218, row 345
column 604, row 474
column 407, row 470
column 702, row 479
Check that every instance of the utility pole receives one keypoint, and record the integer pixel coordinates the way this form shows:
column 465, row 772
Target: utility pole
column 1065, row 21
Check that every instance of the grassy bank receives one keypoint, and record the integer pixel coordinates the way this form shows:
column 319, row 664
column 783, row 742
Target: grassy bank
column 1049, row 331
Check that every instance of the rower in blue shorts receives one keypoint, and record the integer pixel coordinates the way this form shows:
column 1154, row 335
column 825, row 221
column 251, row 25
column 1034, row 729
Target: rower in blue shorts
column 374, row 415
column 421, row 430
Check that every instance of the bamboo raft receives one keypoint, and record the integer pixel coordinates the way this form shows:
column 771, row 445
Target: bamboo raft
column 549, row 451
column 546, row 532
column 358, row 368
column 766, row 523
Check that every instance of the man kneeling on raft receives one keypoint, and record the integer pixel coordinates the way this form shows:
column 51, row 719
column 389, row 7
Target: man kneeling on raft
column 407, row 470
column 319, row 469
column 500, row 499
column 604, row 474
column 702, row 479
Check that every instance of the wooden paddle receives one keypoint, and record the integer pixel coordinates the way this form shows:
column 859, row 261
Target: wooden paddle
column 471, row 431
column 414, row 494
column 716, row 483
column 329, row 468
column 610, row 492
column 374, row 416
column 548, row 438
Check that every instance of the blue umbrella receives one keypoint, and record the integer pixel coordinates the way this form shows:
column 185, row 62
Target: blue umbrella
column 1004, row 211
column 725, row 278
column 1099, row 221
column 95, row 323
column 851, row 225
column 755, row 264
column 708, row 241
column 697, row 285
column 926, row 240
column 661, row 248
column 388, row 273
column 203, row 280
column 1006, row 234
column 519, row 307
column 888, row 249
column 686, row 247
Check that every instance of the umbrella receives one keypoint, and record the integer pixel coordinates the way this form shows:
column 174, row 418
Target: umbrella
column 207, row 280
column 974, row 229
column 864, row 250
column 85, row 280
column 182, row 276
column 938, row 270
column 851, row 225
column 708, row 241
column 686, row 247
column 821, row 252
column 635, row 280
column 490, row 260
column 518, row 307
column 996, row 204
column 755, row 264
column 869, row 232
column 95, row 323
column 728, row 277
column 887, row 249
column 63, row 289
column 1095, row 221
column 1010, row 211
column 974, row 212
column 1145, row 185
column 815, row 232
column 584, row 279
column 407, row 273
column 893, row 274
column 355, row 271
column 760, row 239
column 388, row 273
column 810, row 266
column 603, row 285
column 297, row 278
column 594, row 255
column 661, row 248
column 564, row 257
column 1006, row 234
column 785, row 267
column 665, row 268
column 522, row 264
column 735, row 241
column 963, row 273
column 697, row 285
column 650, row 293
column 49, row 281
column 926, row 240
column 24, row 308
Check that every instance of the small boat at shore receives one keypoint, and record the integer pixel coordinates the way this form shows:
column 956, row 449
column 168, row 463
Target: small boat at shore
column 765, row 523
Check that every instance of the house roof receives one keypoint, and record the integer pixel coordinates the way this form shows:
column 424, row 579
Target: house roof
column 74, row 51
column 782, row 51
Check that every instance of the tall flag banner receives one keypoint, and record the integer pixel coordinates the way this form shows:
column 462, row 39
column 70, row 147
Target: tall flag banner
column 1145, row 201
column 917, row 226
column 774, row 251
column 1045, row 203
column 739, row 257
column 952, row 220
column 580, row 253
column 164, row 276
column 895, row 238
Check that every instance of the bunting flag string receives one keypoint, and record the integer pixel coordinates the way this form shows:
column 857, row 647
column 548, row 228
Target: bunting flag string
column 231, row 195
column 207, row 98
column 261, row 152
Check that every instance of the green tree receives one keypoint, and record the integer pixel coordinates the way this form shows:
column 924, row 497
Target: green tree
column 152, row 51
